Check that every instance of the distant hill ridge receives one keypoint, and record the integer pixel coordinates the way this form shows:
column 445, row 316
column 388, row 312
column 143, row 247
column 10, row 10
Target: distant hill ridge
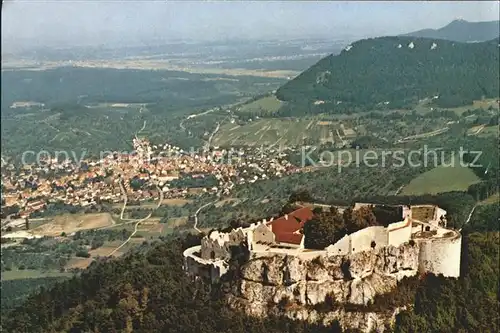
column 462, row 31
column 397, row 72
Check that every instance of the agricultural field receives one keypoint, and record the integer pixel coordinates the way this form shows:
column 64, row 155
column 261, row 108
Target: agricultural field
column 31, row 274
column 441, row 179
column 229, row 201
column 136, row 106
column 176, row 202
column 491, row 200
column 147, row 230
column 486, row 103
column 176, row 222
column 478, row 104
column 475, row 130
column 489, row 131
column 279, row 132
column 106, row 249
column 269, row 104
column 79, row 263
column 424, row 135
column 153, row 228
column 150, row 205
column 69, row 223
column 103, row 251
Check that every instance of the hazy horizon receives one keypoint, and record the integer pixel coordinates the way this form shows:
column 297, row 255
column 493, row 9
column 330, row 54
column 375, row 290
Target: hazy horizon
column 33, row 24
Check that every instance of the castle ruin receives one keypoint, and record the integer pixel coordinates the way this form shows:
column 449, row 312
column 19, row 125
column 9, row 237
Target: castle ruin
column 425, row 225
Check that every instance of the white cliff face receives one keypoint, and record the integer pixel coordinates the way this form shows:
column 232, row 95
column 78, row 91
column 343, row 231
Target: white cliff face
column 270, row 282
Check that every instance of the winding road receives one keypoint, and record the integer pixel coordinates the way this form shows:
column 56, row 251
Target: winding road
column 128, row 239
column 341, row 139
column 137, row 222
column 399, row 190
column 125, row 198
column 195, row 227
column 209, row 142
column 181, row 124
column 142, row 129
column 422, row 135
column 470, row 216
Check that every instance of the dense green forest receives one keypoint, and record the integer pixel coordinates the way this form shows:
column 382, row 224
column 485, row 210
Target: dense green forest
column 378, row 73
column 485, row 219
column 15, row 291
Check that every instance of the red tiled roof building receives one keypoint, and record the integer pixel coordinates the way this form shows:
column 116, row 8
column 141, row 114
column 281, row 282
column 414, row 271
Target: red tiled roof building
column 287, row 229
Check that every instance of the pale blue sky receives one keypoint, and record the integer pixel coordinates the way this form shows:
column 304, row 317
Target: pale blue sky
column 80, row 22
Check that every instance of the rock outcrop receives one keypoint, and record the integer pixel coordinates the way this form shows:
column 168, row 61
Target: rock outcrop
column 322, row 289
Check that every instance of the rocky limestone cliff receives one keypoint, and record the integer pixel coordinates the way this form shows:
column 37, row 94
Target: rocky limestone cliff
column 289, row 285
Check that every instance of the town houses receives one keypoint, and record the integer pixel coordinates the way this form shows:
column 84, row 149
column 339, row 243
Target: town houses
column 139, row 175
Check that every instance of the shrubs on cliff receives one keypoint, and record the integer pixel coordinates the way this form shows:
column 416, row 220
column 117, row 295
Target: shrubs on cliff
column 328, row 227
column 484, row 219
column 300, row 195
column 319, row 234
column 467, row 304
column 358, row 219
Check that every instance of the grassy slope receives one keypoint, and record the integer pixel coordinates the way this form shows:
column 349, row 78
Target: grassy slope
column 269, row 104
column 490, row 131
column 31, row 274
column 493, row 199
column 441, row 179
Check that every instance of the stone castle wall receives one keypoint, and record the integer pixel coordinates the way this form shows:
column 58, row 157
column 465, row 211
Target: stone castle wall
column 262, row 234
column 268, row 281
column 218, row 245
column 195, row 266
column 399, row 233
column 441, row 256
column 362, row 240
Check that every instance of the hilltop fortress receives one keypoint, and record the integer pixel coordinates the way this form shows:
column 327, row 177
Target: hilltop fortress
column 352, row 271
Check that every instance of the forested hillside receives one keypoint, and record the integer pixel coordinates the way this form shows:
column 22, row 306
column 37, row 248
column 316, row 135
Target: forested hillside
column 395, row 72
column 462, row 31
